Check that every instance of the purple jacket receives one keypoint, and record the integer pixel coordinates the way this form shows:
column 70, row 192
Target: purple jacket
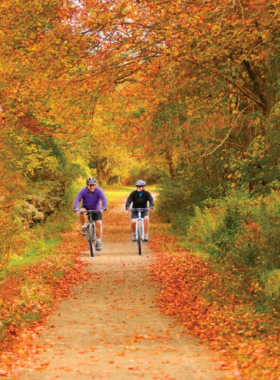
column 91, row 201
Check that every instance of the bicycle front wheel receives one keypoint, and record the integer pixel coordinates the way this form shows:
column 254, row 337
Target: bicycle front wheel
column 139, row 238
column 91, row 239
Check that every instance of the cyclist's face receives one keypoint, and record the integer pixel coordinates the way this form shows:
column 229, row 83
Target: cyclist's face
column 91, row 188
column 140, row 188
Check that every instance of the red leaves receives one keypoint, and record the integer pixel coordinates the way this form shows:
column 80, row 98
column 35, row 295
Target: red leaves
column 194, row 294
column 30, row 293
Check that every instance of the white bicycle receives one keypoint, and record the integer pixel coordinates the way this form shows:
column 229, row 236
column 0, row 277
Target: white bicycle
column 139, row 227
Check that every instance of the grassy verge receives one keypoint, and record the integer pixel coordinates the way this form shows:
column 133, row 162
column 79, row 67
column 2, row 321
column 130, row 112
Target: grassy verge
column 114, row 193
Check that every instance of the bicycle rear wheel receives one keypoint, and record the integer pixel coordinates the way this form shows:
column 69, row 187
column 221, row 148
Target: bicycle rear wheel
column 91, row 239
column 139, row 239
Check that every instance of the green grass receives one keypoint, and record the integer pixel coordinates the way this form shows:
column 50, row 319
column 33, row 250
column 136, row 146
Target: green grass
column 115, row 192
column 31, row 317
column 41, row 248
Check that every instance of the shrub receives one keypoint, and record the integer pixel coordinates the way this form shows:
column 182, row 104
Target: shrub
column 241, row 236
column 178, row 198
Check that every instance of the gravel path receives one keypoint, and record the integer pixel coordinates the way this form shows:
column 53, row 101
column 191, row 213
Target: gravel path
column 111, row 328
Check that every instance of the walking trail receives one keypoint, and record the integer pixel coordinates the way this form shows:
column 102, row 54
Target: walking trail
column 112, row 329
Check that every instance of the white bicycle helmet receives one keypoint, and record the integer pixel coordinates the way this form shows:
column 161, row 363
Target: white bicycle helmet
column 140, row 182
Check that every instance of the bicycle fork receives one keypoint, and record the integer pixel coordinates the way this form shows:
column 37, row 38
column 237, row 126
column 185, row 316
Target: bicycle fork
column 91, row 235
column 141, row 229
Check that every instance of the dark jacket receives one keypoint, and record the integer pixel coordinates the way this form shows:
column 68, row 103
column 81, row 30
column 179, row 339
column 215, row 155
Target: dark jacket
column 138, row 202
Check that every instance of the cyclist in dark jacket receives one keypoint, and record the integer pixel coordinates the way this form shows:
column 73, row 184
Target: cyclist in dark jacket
column 140, row 199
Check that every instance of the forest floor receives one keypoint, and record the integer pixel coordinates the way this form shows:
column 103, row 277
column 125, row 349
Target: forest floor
column 112, row 328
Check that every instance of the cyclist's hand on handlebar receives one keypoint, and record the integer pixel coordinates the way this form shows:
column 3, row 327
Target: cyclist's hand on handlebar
column 77, row 211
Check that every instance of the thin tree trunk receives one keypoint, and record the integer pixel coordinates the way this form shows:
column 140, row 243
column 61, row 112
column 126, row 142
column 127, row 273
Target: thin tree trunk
column 99, row 173
column 170, row 164
column 108, row 173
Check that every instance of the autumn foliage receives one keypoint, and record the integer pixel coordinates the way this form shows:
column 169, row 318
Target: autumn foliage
column 183, row 93
column 197, row 295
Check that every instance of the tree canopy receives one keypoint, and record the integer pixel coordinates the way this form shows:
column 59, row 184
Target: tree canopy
column 190, row 88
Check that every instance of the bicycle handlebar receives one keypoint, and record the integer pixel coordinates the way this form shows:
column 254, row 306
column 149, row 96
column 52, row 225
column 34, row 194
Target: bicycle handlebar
column 139, row 209
column 89, row 211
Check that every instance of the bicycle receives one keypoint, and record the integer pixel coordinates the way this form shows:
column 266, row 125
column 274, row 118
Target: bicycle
column 139, row 227
column 91, row 235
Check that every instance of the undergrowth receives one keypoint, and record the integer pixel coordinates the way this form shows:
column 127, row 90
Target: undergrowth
column 211, row 305
column 238, row 234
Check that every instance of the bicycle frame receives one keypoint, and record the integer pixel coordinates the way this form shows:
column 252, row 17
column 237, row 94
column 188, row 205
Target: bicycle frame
column 91, row 229
column 139, row 227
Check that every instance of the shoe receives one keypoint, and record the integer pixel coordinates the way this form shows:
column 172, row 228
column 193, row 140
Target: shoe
column 98, row 246
column 133, row 237
column 146, row 237
column 84, row 231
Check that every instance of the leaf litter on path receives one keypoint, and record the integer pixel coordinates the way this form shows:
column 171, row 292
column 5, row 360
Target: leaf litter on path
column 193, row 294
column 111, row 328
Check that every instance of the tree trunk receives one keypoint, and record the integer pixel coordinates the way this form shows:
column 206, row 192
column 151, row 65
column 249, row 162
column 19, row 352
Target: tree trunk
column 100, row 173
column 170, row 164
column 108, row 173
column 257, row 88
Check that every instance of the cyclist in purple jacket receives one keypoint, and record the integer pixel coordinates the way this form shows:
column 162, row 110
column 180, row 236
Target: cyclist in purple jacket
column 91, row 196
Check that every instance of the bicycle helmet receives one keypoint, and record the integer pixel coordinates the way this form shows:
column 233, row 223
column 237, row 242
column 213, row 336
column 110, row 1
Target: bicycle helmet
column 91, row 181
column 140, row 182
